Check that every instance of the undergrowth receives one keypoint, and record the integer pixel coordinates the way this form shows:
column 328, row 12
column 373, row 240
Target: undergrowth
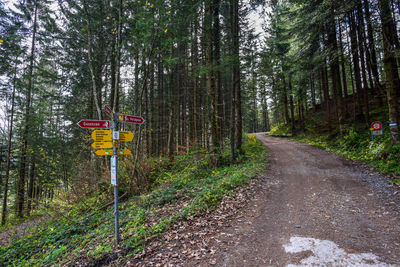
column 183, row 188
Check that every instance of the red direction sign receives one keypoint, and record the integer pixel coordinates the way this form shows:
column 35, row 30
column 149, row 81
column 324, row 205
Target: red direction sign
column 108, row 111
column 94, row 124
column 131, row 119
column 376, row 126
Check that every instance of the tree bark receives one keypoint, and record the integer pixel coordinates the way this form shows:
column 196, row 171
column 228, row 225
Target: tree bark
column 361, row 42
column 21, row 182
column 390, row 66
column 371, row 46
column 236, row 73
column 9, row 146
column 356, row 60
column 335, row 71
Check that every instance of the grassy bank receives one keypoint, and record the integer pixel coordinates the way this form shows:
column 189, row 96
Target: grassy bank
column 181, row 189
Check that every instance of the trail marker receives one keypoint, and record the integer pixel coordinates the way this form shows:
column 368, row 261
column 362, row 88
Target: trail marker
column 124, row 152
column 126, row 136
column 102, row 135
column 108, row 111
column 376, row 129
column 130, row 119
column 94, row 124
column 109, row 152
column 97, row 145
column 103, row 152
column 113, row 137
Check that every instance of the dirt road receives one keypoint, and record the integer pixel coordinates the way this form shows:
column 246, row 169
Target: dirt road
column 310, row 208
column 313, row 209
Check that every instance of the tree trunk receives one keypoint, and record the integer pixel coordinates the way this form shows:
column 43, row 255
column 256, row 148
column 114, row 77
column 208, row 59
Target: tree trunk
column 356, row 60
column 118, row 58
column 335, row 71
column 9, row 146
column 218, row 82
column 372, row 50
column 21, row 182
column 30, row 187
column 285, row 100
column 390, row 66
column 211, row 90
column 236, row 72
column 90, row 62
column 312, row 88
column 326, row 92
column 344, row 77
column 361, row 41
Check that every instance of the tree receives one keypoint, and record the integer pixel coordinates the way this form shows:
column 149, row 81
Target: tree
column 390, row 66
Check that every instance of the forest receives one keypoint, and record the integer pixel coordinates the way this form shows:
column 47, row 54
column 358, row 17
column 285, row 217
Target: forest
column 202, row 75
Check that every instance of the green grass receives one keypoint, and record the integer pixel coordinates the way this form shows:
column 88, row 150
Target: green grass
column 183, row 188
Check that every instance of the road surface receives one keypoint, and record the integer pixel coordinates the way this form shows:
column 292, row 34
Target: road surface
column 309, row 208
column 318, row 208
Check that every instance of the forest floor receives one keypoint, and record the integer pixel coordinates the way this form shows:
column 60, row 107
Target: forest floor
column 20, row 230
column 310, row 208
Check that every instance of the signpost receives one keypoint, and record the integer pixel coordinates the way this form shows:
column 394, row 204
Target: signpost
column 94, row 124
column 110, row 139
column 114, row 174
column 126, row 136
column 102, row 135
column 103, row 152
column 109, row 152
column 376, row 129
column 108, row 111
column 131, row 119
column 97, row 145
column 124, row 152
column 376, row 126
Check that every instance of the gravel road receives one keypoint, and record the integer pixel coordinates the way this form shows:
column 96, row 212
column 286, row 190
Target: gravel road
column 314, row 208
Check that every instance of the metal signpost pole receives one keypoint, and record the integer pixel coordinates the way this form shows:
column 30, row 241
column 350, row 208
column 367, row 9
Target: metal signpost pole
column 114, row 174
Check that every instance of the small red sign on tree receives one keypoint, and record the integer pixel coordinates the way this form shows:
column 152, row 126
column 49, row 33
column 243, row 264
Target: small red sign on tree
column 376, row 126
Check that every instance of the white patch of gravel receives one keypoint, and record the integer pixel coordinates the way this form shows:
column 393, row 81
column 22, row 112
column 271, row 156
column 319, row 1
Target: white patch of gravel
column 327, row 253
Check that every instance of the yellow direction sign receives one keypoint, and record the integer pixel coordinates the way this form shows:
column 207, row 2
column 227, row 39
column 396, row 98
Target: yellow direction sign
column 105, row 152
column 124, row 152
column 125, row 136
column 102, row 135
column 97, row 145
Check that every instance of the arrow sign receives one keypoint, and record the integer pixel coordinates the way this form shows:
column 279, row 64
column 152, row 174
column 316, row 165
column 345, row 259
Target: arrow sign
column 97, row 145
column 124, row 152
column 131, row 119
column 94, row 124
column 104, row 152
column 102, row 135
column 108, row 111
column 125, row 136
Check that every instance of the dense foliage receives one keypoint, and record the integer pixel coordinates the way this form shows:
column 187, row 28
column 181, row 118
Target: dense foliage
column 184, row 189
column 178, row 64
column 337, row 57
